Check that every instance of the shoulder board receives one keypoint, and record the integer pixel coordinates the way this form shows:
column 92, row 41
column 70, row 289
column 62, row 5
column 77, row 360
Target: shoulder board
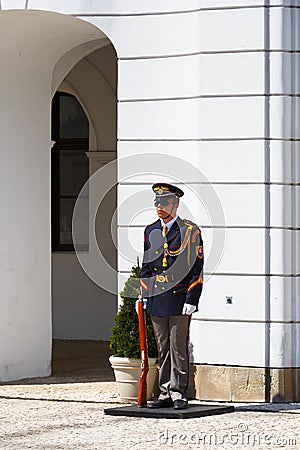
column 190, row 223
column 153, row 223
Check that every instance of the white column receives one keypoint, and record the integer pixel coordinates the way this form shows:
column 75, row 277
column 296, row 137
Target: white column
column 25, row 259
column 284, row 176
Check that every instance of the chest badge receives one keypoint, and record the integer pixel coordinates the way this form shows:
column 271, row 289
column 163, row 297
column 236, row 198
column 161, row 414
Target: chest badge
column 199, row 251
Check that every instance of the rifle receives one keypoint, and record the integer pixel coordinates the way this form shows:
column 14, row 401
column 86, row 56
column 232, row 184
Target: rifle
column 142, row 395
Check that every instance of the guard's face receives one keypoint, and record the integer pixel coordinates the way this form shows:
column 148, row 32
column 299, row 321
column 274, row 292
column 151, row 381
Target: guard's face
column 166, row 208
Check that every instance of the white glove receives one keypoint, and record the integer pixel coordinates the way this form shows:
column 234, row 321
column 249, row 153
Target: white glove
column 188, row 309
column 137, row 305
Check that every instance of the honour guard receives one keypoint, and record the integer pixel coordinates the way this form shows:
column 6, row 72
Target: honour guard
column 172, row 281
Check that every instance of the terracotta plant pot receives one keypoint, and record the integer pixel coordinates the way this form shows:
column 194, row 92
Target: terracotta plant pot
column 127, row 374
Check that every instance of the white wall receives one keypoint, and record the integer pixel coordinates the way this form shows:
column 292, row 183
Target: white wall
column 80, row 308
column 201, row 97
column 215, row 113
column 220, row 121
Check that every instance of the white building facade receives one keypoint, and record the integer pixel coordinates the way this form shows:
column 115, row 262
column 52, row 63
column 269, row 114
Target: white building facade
column 202, row 93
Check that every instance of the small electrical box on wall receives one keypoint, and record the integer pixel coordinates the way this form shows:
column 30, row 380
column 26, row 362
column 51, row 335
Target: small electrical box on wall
column 228, row 300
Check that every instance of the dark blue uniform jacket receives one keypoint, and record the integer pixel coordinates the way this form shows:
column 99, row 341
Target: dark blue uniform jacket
column 168, row 288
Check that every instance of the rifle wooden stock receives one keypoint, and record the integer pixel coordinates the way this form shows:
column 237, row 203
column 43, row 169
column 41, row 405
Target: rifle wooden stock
column 142, row 395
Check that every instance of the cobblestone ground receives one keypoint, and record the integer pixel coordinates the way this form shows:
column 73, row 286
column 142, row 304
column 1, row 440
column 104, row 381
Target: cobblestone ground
column 65, row 413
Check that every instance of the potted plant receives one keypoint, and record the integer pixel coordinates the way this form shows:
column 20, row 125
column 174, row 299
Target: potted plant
column 125, row 344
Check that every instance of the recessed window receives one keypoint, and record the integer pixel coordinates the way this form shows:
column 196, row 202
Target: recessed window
column 70, row 169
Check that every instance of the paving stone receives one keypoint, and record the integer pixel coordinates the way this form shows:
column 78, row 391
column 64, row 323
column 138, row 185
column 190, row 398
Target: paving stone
column 65, row 413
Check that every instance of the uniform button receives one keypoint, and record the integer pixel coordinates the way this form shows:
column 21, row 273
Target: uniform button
column 155, row 285
column 174, row 292
column 156, row 252
column 163, row 288
column 155, row 268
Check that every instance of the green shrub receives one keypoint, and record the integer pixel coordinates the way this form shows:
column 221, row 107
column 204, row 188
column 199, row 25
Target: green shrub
column 125, row 340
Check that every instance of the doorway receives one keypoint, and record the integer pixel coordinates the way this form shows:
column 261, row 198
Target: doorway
column 83, row 123
column 41, row 50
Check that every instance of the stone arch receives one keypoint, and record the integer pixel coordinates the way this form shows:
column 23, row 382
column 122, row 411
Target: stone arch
column 38, row 49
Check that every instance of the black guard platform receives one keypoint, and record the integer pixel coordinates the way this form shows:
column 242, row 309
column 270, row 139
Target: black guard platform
column 192, row 411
